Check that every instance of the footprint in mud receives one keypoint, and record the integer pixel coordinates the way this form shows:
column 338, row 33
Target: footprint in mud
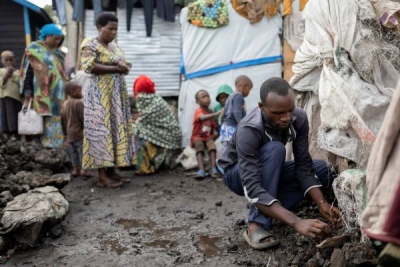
column 136, row 223
column 208, row 245
column 163, row 244
column 113, row 245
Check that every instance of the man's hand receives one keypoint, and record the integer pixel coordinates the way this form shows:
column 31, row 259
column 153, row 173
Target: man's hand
column 331, row 213
column 311, row 227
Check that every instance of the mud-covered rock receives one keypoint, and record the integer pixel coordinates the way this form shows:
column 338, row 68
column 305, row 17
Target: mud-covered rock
column 3, row 202
column 25, row 216
column 36, row 179
column 52, row 159
column 7, row 185
column 13, row 148
column 6, row 195
column 31, row 166
column 337, row 258
column 2, row 243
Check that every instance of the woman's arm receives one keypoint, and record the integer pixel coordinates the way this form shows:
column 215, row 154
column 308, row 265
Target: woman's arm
column 90, row 64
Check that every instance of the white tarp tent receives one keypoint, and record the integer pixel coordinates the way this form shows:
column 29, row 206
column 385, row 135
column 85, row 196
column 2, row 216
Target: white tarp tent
column 238, row 48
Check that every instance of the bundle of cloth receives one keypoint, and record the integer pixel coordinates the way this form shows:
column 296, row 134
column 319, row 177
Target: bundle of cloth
column 342, row 71
column 381, row 218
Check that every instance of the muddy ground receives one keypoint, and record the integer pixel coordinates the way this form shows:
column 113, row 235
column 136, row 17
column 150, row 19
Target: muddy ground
column 169, row 219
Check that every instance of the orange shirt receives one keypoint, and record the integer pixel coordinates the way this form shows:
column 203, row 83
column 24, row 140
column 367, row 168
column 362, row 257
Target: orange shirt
column 202, row 130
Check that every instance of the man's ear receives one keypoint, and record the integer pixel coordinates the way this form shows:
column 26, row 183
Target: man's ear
column 260, row 105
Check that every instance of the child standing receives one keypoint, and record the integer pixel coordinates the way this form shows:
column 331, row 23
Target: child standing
column 72, row 127
column 222, row 95
column 10, row 101
column 204, row 133
column 235, row 110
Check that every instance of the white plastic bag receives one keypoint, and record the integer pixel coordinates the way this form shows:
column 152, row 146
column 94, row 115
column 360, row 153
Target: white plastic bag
column 29, row 122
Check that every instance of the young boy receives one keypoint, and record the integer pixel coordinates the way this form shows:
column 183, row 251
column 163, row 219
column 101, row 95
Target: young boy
column 204, row 133
column 222, row 95
column 72, row 127
column 10, row 101
column 234, row 109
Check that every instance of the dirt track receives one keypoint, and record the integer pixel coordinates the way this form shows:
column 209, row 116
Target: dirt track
column 171, row 220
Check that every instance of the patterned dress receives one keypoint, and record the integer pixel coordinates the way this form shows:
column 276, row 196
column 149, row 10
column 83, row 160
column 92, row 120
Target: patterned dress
column 108, row 135
column 156, row 131
column 48, row 89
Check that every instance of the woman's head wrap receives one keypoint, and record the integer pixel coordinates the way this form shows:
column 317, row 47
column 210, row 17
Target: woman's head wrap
column 143, row 84
column 49, row 29
column 7, row 53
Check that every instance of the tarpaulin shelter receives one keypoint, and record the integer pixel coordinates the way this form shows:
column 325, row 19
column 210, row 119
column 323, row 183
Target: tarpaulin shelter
column 212, row 57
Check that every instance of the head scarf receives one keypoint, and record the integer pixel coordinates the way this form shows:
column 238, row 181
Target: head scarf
column 49, row 29
column 143, row 84
column 7, row 53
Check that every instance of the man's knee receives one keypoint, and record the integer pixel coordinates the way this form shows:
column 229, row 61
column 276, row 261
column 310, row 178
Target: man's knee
column 274, row 149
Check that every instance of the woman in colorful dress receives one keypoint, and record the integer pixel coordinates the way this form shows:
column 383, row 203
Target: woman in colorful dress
column 156, row 129
column 108, row 135
column 44, row 78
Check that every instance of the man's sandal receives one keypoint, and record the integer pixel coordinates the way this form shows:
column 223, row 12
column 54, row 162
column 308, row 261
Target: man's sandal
column 254, row 240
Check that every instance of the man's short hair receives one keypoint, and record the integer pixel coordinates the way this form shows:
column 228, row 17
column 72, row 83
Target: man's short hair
column 274, row 85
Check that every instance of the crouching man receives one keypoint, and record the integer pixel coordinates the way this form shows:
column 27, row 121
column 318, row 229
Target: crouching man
column 254, row 166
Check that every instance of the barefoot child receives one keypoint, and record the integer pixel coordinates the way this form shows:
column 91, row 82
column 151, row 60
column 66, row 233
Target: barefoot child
column 72, row 126
column 204, row 133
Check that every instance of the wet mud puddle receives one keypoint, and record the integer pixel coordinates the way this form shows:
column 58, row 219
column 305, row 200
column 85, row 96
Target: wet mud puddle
column 113, row 245
column 208, row 245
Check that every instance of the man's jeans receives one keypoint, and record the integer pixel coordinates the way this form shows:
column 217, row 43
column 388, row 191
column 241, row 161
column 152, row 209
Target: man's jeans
column 278, row 178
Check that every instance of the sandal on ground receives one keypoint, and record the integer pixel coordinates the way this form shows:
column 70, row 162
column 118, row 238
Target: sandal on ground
column 113, row 184
column 215, row 174
column 254, row 240
column 200, row 175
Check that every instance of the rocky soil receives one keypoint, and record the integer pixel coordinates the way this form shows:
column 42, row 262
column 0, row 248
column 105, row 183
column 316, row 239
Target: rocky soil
column 167, row 219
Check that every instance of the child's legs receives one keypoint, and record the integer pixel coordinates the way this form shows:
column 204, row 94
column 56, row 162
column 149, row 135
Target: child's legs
column 74, row 155
column 78, row 147
column 200, row 148
column 211, row 151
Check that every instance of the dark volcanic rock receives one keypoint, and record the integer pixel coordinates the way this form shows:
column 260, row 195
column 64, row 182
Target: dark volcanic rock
column 13, row 148
column 7, row 195
column 36, row 179
column 6, row 185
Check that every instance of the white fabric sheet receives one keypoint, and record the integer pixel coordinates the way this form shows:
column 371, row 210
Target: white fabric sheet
column 236, row 42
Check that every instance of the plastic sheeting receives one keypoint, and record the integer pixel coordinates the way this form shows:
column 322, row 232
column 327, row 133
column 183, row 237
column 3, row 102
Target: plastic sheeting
column 239, row 41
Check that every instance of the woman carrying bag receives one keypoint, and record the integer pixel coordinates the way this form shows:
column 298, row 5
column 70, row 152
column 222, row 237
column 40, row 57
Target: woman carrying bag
column 44, row 77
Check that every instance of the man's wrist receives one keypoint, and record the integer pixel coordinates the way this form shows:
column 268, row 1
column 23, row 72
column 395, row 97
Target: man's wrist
column 293, row 221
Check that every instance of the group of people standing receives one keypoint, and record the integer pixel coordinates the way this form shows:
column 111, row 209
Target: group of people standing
column 94, row 122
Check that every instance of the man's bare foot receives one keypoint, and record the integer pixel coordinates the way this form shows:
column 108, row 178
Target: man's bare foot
column 252, row 227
